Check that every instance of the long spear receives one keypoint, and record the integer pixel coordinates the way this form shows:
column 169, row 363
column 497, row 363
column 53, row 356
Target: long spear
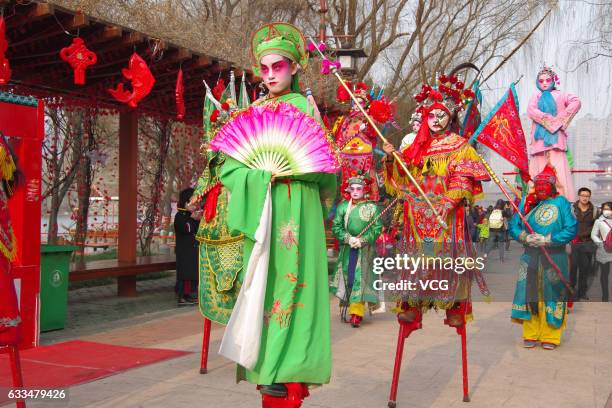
column 529, row 228
column 396, row 156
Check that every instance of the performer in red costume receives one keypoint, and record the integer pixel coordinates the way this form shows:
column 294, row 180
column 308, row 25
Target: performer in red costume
column 450, row 172
column 9, row 311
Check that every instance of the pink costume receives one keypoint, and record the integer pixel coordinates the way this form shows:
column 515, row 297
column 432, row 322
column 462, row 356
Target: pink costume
column 567, row 106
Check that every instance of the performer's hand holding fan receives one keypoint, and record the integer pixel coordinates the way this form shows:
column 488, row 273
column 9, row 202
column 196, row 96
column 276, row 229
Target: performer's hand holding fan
column 279, row 138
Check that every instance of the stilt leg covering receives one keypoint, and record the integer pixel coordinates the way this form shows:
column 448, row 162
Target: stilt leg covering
column 415, row 323
column 456, row 317
column 296, row 392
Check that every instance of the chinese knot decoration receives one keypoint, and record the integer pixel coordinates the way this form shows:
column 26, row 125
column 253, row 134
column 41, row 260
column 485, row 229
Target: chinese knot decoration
column 5, row 69
column 79, row 58
column 179, row 93
column 142, row 81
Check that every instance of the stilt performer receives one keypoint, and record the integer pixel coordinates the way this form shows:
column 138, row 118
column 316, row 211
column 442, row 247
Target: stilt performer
column 551, row 111
column 9, row 312
column 281, row 172
column 220, row 260
column 540, row 299
column 356, row 226
column 450, row 171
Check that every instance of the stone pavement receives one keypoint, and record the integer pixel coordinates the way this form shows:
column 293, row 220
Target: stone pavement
column 502, row 374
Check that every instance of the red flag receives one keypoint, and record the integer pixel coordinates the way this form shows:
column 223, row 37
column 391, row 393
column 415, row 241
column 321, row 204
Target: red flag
column 502, row 131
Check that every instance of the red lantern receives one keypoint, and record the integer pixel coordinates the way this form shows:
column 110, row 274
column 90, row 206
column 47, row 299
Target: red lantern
column 79, row 58
column 5, row 69
column 180, row 92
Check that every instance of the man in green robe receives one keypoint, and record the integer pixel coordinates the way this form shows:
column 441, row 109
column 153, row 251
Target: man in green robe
column 357, row 226
column 295, row 345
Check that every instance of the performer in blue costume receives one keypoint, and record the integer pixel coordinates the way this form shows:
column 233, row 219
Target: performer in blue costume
column 540, row 299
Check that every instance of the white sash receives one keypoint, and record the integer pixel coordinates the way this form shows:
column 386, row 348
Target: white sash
column 242, row 337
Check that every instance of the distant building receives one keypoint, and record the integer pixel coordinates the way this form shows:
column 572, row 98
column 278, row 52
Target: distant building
column 603, row 181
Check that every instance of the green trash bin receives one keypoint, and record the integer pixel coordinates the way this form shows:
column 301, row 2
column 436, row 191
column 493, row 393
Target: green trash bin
column 54, row 269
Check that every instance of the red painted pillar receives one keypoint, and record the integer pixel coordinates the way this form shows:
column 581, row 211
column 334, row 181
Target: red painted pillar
column 128, row 187
column 22, row 122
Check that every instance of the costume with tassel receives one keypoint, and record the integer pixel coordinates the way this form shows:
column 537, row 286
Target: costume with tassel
column 355, row 138
column 294, row 347
column 450, row 172
column 220, row 260
column 9, row 312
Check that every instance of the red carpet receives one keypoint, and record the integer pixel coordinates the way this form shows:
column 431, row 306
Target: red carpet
column 76, row 362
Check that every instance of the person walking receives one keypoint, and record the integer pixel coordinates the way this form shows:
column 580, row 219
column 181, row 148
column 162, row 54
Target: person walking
column 483, row 234
column 498, row 224
column 582, row 246
column 599, row 235
column 187, row 247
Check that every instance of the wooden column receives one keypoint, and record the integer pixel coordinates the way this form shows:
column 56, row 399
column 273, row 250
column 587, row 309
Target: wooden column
column 128, row 187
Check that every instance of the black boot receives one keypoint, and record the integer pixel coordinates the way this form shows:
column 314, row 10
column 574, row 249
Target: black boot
column 274, row 390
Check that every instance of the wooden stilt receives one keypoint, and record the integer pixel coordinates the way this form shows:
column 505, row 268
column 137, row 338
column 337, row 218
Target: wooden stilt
column 16, row 371
column 401, row 338
column 205, row 344
column 464, row 362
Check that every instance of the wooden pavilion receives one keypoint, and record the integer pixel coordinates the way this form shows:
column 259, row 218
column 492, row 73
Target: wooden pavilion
column 37, row 31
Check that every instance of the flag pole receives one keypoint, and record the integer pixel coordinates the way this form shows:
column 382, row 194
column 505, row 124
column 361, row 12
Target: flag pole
column 396, row 156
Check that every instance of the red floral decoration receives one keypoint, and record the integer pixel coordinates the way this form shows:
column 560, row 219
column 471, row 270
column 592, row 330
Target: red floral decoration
column 381, row 110
column 79, row 57
column 342, row 94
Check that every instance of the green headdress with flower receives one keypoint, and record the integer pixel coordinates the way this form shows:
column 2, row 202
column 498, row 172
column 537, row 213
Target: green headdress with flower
column 280, row 39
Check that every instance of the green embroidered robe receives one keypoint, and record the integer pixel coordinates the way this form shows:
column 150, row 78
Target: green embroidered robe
column 220, row 251
column 350, row 223
column 295, row 339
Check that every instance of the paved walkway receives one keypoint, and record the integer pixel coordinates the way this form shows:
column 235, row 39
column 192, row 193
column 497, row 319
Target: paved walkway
column 502, row 374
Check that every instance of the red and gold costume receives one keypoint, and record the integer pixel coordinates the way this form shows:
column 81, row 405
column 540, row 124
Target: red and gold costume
column 356, row 142
column 450, row 172
column 9, row 312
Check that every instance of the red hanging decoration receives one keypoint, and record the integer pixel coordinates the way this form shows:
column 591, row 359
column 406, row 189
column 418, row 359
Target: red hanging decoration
column 142, row 81
column 79, row 58
column 5, row 69
column 180, row 92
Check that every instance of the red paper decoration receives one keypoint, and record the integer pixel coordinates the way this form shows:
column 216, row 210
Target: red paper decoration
column 142, row 81
column 5, row 69
column 79, row 58
column 180, row 92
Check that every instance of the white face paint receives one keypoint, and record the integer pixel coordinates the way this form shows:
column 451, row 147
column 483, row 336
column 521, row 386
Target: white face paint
column 437, row 120
column 277, row 73
column 416, row 125
column 356, row 191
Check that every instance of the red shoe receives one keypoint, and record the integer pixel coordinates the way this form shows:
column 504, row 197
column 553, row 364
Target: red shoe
column 355, row 320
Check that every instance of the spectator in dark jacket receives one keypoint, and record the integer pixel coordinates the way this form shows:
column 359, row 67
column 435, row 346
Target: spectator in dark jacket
column 582, row 246
column 185, row 228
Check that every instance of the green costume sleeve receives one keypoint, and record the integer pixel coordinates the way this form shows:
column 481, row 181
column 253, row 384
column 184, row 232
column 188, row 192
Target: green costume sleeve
column 327, row 187
column 338, row 223
column 248, row 189
column 372, row 234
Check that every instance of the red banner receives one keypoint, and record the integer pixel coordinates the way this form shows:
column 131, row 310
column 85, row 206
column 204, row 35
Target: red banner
column 502, row 131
